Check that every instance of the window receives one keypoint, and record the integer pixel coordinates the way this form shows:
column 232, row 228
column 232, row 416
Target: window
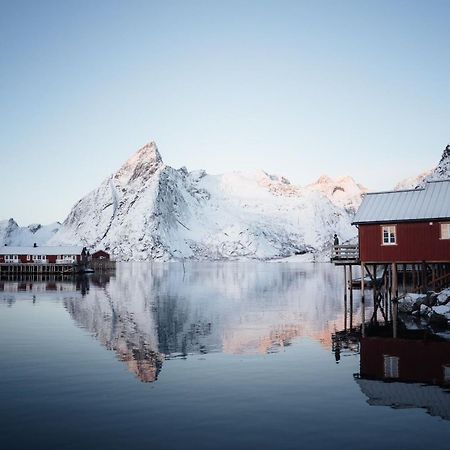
column 390, row 366
column 389, row 235
column 445, row 230
column 446, row 374
column 28, row 257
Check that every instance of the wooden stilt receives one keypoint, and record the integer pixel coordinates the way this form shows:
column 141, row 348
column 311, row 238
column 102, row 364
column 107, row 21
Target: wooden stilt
column 363, row 312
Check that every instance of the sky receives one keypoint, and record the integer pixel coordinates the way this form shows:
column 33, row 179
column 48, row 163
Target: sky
column 296, row 88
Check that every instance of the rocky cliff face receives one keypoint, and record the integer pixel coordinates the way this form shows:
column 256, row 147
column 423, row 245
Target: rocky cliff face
column 148, row 210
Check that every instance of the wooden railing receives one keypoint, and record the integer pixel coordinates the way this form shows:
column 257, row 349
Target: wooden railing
column 345, row 253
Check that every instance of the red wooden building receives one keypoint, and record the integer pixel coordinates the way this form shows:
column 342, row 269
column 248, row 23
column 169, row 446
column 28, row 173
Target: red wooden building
column 410, row 226
column 100, row 254
column 40, row 255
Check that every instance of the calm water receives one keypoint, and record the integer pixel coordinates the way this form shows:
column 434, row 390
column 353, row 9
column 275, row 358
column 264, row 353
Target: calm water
column 216, row 356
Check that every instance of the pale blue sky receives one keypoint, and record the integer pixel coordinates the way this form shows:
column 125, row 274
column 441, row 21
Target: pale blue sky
column 298, row 88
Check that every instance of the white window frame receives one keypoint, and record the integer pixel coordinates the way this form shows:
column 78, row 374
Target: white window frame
column 391, row 366
column 28, row 257
column 446, row 370
column 445, row 230
column 389, row 229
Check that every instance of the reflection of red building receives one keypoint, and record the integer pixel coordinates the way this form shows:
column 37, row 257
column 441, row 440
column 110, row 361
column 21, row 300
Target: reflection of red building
column 410, row 360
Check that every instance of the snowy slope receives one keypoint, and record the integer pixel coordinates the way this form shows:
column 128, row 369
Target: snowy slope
column 148, row 210
column 12, row 234
column 440, row 172
column 344, row 192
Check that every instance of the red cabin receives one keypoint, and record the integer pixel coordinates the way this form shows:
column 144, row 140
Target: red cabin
column 40, row 255
column 411, row 226
column 100, row 254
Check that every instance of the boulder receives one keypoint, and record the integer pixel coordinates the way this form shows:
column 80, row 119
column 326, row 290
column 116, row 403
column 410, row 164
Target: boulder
column 441, row 309
column 425, row 310
column 431, row 299
column 438, row 320
column 443, row 297
column 411, row 302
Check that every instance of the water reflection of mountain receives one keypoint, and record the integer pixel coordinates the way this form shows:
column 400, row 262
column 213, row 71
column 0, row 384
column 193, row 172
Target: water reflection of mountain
column 148, row 313
column 411, row 370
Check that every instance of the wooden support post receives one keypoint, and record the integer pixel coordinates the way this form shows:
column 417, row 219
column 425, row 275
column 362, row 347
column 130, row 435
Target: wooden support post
column 394, row 289
column 424, row 278
column 433, row 277
column 404, row 278
column 345, row 282
column 363, row 312
column 394, row 318
column 351, row 295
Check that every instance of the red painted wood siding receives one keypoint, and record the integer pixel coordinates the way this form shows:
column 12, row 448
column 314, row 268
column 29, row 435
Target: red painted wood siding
column 416, row 242
column 50, row 258
column 419, row 361
column 101, row 254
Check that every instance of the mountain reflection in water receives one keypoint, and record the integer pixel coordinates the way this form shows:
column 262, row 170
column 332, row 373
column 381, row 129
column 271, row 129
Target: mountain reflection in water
column 148, row 313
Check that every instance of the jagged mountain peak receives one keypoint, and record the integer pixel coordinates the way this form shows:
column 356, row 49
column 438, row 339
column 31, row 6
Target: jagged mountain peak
column 324, row 179
column 443, row 169
column 440, row 172
column 12, row 234
column 142, row 165
column 445, row 154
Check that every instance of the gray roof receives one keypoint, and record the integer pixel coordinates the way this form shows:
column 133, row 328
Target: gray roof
column 430, row 202
column 54, row 250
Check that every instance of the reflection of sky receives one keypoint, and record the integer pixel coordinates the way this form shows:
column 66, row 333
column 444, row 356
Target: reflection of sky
column 60, row 384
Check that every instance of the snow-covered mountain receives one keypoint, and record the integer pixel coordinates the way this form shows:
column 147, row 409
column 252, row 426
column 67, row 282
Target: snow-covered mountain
column 440, row 172
column 12, row 234
column 344, row 191
column 148, row 210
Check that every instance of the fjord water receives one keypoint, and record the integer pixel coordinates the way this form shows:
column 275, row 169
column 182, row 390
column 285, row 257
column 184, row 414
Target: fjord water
column 233, row 355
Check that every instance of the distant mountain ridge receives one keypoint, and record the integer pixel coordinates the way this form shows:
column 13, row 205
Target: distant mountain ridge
column 12, row 234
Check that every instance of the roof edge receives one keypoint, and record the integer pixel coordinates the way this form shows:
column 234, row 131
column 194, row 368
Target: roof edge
column 425, row 219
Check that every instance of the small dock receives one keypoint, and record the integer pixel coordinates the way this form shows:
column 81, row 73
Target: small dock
column 105, row 265
column 342, row 255
column 40, row 268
